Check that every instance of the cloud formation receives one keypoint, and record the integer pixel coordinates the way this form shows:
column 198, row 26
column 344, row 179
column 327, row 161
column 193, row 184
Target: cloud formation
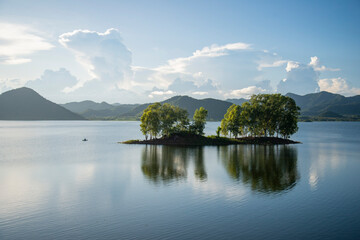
column 300, row 79
column 246, row 92
column 103, row 55
column 304, row 78
column 17, row 42
column 315, row 63
column 189, row 68
column 52, row 83
column 218, row 71
column 337, row 85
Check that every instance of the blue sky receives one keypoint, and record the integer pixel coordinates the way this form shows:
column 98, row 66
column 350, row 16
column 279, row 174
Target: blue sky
column 144, row 51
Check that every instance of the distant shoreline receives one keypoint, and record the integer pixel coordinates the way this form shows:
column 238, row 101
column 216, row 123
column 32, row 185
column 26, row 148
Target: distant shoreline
column 197, row 140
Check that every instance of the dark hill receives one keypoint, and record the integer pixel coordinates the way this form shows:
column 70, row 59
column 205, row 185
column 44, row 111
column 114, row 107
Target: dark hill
column 216, row 108
column 26, row 104
column 93, row 110
column 237, row 101
column 315, row 104
column 80, row 107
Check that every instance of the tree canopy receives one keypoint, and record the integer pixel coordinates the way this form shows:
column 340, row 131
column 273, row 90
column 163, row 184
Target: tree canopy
column 166, row 119
column 264, row 115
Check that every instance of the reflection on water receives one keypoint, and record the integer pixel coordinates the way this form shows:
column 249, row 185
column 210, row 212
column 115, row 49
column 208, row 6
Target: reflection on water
column 54, row 186
column 166, row 163
column 265, row 168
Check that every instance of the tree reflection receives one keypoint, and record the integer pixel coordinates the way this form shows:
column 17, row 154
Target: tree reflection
column 168, row 163
column 265, row 168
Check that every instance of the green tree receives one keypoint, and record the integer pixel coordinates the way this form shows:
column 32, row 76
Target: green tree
column 218, row 131
column 164, row 119
column 150, row 121
column 232, row 121
column 182, row 120
column 288, row 117
column 167, row 118
column 199, row 121
column 262, row 115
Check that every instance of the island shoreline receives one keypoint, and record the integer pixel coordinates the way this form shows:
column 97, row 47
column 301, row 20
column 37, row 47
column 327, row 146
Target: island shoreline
column 198, row 140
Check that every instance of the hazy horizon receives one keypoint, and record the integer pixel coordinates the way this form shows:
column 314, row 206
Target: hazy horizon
column 147, row 51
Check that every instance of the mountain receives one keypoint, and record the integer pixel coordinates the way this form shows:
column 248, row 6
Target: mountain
column 93, row 110
column 320, row 106
column 26, row 104
column 236, row 101
column 80, row 107
column 216, row 108
column 110, row 113
column 316, row 104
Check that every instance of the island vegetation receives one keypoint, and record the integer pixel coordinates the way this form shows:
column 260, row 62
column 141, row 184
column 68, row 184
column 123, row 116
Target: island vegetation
column 264, row 119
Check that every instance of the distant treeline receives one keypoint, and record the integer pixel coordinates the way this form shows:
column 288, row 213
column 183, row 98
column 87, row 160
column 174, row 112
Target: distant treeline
column 263, row 115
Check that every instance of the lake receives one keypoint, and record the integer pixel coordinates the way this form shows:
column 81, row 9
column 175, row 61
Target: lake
column 54, row 186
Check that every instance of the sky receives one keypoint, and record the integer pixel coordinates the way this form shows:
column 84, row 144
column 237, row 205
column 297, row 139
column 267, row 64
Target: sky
column 146, row 51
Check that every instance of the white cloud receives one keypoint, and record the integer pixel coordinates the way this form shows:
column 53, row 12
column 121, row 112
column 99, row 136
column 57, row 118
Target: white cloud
column 200, row 93
column 103, row 55
column 315, row 63
column 8, row 84
column 246, row 92
column 304, row 78
column 215, row 51
column 14, row 61
column 17, row 41
column 300, row 79
column 160, row 93
column 277, row 63
column 291, row 65
column 51, row 84
column 181, row 67
column 337, row 85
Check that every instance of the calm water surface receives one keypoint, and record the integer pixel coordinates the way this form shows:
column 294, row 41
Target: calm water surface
column 54, row 186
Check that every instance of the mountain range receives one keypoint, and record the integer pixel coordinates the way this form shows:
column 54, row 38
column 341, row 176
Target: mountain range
column 26, row 104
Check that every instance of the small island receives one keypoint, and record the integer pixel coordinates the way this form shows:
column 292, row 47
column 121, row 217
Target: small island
column 260, row 121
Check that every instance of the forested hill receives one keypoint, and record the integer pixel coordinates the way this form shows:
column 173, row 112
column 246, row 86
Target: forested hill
column 103, row 110
column 26, row 104
column 91, row 110
column 216, row 108
column 327, row 104
column 237, row 101
column 321, row 106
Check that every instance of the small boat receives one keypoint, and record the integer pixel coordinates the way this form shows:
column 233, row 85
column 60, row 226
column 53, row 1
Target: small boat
column 84, row 140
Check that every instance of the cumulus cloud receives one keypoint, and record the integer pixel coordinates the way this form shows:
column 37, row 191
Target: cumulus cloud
column 18, row 42
column 190, row 68
column 300, row 79
column 160, row 93
column 52, row 83
column 190, row 88
column 276, row 63
column 337, row 85
column 304, row 78
column 8, row 84
column 246, row 92
column 315, row 63
column 265, row 84
column 200, row 93
column 103, row 55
